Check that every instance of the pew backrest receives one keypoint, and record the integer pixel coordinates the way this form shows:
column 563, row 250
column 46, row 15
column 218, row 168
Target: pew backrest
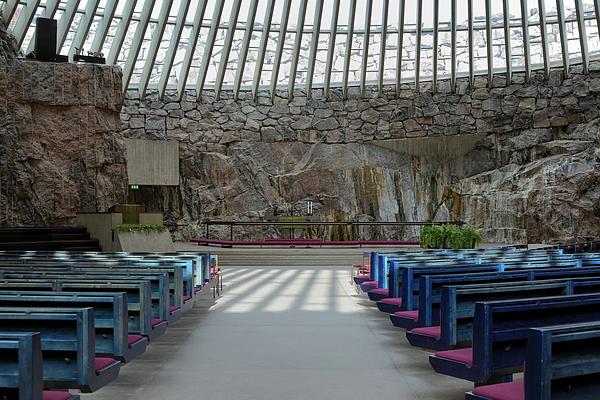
column 21, row 365
column 501, row 328
column 559, row 352
column 459, row 303
column 67, row 342
column 110, row 313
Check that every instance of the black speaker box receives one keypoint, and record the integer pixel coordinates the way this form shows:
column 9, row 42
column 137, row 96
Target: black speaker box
column 45, row 39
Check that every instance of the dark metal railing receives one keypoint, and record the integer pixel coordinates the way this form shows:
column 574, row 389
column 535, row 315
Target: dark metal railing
column 292, row 225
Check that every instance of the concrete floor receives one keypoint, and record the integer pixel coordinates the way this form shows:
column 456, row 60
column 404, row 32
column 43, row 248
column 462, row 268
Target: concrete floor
column 283, row 333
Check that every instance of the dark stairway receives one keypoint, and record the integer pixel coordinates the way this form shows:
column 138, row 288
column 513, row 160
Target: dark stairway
column 53, row 239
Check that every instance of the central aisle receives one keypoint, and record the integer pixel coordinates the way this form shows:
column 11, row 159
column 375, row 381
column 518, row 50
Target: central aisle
column 282, row 333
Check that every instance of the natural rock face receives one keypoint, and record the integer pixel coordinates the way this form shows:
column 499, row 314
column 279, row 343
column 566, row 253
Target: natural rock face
column 528, row 178
column 8, row 46
column 555, row 196
column 61, row 150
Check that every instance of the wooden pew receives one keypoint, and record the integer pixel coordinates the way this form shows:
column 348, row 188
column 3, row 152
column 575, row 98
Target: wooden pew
column 162, row 308
column 429, row 295
column 458, row 307
column 182, row 294
column 139, row 296
column 21, row 369
column 110, row 312
column 376, row 286
column 409, row 278
column 379, row 266
column 201, row 259
column 561, row 361
column 430, row 289
column 390, row 288
column 405, row 279
column 67, row 342
column 500, row 332
column 187, row 267
column 176, row 281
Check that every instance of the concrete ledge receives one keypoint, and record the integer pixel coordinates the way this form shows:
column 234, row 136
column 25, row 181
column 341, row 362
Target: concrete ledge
column 144, row 241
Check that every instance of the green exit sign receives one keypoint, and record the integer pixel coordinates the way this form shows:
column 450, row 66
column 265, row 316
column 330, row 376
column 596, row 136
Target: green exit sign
column 134, row 186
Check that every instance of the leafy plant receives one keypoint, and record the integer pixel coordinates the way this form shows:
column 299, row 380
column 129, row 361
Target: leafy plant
column 146, row 228
column 467, row 238
column 431, row 237
column 449, row 236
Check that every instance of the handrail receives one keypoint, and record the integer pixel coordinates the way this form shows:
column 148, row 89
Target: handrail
column 339, row 223
column 291, row 224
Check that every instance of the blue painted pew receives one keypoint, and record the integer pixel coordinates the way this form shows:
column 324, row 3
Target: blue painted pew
column 68, row 342
column 201, row 260
column 139, row 296
column 139, row 302
column 458, row 307
column 187, row 267
column 200, row 267
column 20, row 366
column 159, row 281
column 176, row 281
column 378, row 287
column 197, row 264
column 21, row 369
column 500, row 331
column 508, row 263
column 408, row 278
column 561, row 361
column 390, row 288
column 379, row 265
column 490, row 259
column 385, row 266
column 407, row 284
column 429, row 295
column 110, row 312
column 430, row 288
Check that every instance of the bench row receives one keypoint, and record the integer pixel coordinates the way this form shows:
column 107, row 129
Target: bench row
column 90, row 318
column 482, row 332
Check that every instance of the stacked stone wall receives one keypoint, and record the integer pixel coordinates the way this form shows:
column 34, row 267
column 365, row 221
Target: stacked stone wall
column 245, row 158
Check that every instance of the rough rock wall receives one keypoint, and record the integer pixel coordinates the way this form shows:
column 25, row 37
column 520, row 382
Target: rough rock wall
column 8, row 46
column 241, row 158
column 554, row 196
column 61, row 150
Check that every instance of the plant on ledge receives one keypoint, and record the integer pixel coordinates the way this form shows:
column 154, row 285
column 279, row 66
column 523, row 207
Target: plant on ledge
column 145, row 228
column 449, row 236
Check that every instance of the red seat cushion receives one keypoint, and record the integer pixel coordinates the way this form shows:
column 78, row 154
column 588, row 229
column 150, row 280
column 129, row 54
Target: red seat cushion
column 370, row 283
column 362, row 277
column 156, row 321
column 56, row 395
column 173, row 308
column 433, row 331
column 464, row 356
column 502, row 391
column 186, row 298
column 413, row 314
column 131, row 339
column 380, row 291
column 395, row 301
column 103, row 362
column 197, row 289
